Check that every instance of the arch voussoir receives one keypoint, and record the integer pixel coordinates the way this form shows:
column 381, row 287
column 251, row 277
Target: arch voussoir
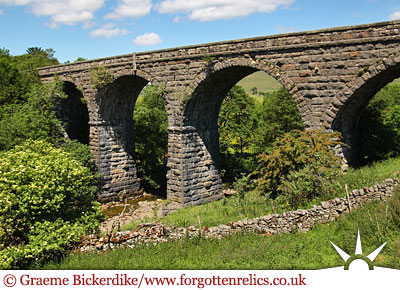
column 345, row 108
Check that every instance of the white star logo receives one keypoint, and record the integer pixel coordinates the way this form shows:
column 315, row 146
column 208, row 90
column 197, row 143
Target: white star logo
column 358, row 260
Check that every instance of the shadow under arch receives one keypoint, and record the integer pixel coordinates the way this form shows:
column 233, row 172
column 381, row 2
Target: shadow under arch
column 116, row 158
column 348, row 116
column 201, row 111
column 200, row 138
column 74, row 114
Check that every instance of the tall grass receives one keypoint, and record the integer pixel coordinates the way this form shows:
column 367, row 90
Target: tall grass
column 378, row 222
column 254, row 205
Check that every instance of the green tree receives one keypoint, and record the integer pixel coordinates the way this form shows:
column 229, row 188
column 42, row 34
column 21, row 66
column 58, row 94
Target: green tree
column 35, row 58
column 236, row 128
column 392, row 120
column 18, row 73
column 12, row 86
column 236, row 121
column 151, row 139
column 28, row 108
column 33, row 119
column 276, row 116
column 378, row 125
column 80, row 59
column 46, row 194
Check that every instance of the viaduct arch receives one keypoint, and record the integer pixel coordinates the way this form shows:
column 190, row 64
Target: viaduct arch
column 331, row 74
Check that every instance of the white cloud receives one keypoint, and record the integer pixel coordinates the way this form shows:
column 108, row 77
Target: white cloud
column 1, row 12
column 147, row 39
column 285, row 29
column 16, row 2
column 68, row 12
column 395, row 15
column 130, row 8
column 108, row 31
column 208, row 10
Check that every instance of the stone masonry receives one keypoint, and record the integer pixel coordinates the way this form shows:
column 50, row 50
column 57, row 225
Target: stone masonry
column 331, row 74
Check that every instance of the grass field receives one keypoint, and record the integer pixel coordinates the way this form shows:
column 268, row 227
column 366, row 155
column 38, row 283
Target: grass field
column 378, row 222
column 262, row 81
column 234, row 209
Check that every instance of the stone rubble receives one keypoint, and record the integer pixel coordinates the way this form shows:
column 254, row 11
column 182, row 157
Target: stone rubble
column 298, row 220
column 146, row 209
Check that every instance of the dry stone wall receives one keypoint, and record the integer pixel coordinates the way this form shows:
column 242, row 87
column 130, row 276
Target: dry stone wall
column 331, row 74
column 300, row 220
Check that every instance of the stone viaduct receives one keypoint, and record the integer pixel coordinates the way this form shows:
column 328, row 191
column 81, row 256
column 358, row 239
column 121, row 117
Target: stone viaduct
column 331, row 74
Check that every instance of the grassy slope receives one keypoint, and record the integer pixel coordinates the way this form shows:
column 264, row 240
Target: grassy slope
column 233, row 209
column 262, row 81
column 378, row 222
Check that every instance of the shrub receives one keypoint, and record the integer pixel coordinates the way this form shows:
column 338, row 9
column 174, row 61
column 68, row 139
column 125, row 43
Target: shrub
column 235, row 164
column 313, row 180
column 80, row 152
column 47, row 202
column 294, row 154
column 100, row 77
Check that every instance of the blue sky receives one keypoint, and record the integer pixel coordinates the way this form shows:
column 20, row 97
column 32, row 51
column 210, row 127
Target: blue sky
column 101, row 28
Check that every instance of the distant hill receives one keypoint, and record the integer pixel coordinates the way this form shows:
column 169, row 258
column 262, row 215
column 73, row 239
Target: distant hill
column 262, row 81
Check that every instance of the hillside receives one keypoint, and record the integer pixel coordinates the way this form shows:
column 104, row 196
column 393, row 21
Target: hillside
column 262, row 81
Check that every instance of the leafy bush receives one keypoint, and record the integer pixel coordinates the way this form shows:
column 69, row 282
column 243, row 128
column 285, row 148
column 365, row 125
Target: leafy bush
column 47, row 202
column 243, row 186
column 314, row 179
column 100, row 77
column 294, row 154
column 80, row 152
